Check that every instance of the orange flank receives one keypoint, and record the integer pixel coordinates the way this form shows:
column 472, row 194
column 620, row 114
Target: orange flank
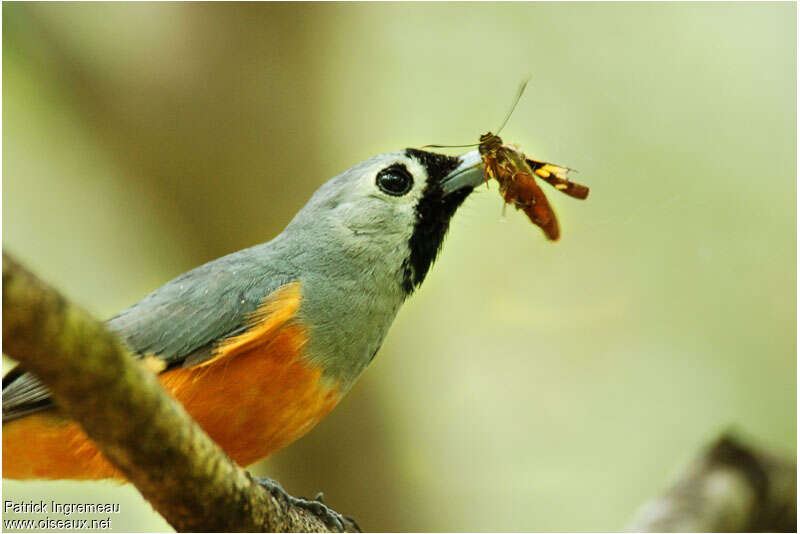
column 255, row 395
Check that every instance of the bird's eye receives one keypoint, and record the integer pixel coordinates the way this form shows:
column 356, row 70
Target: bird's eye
column 395, row 180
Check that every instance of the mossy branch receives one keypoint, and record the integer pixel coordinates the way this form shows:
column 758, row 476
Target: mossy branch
column 141, row 429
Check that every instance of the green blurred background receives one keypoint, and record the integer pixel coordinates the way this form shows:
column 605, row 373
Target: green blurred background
column 528, row 385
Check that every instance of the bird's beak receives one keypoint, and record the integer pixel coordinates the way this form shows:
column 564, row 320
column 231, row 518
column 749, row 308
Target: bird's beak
column 468, row 174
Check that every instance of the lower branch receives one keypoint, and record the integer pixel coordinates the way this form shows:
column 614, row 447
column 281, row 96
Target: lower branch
column 731, row 488
column 140, row 428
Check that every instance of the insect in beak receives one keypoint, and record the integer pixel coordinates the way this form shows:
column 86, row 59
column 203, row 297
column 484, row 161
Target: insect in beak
column 516, row 175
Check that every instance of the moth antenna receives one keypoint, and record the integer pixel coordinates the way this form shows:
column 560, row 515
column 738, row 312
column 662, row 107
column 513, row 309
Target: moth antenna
column 450, row 146
column 522, row 87
column 514, row 105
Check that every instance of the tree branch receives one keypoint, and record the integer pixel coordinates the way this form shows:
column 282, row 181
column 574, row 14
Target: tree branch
column 730, row 488
column 142, row 430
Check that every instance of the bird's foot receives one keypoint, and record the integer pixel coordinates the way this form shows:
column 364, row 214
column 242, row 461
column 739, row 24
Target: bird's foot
column 331, row 518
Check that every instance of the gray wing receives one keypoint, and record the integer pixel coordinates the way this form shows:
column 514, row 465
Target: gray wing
column 23, row 394
column 178, row 322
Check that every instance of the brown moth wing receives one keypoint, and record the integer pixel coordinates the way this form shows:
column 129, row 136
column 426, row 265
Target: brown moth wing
column 519, row 188
column 525, row 194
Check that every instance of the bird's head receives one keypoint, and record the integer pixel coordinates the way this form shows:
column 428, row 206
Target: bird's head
column 392, row 210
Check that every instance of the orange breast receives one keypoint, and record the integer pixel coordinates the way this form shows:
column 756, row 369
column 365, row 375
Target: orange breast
column 252, row 403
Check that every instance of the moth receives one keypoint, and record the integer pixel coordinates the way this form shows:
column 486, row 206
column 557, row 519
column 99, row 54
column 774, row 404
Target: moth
column 516, row 175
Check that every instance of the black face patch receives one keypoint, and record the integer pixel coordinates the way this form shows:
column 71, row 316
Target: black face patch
column 437, row 165
column 434, row 212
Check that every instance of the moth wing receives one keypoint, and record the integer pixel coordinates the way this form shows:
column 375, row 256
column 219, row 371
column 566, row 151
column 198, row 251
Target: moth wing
column 556, row 176
column 539, row 211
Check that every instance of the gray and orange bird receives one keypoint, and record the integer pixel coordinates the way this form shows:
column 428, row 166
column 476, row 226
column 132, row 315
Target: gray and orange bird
column 261, row 344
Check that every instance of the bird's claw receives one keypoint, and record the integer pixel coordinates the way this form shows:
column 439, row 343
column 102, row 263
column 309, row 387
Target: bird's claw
column 331, row 518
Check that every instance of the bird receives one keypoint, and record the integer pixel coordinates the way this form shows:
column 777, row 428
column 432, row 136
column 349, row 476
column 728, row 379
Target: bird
column 261, row 344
